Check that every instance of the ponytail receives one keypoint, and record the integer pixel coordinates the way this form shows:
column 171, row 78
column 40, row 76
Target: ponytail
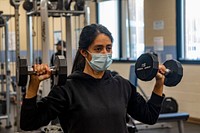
column 79, row 62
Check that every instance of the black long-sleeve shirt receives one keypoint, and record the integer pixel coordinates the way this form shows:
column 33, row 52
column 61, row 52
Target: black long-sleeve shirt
column 88, row 105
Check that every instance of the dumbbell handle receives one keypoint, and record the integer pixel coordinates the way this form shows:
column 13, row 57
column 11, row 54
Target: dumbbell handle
column 31, row 71
column 167, row 72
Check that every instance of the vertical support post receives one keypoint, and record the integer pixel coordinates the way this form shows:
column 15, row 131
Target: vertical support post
column 180, row 126
column 69, row 44
column 87, row 12
column 17, row 40
column 45, row 41
column 62, row 51
column 29, row 45
column 7, row 76
column 129, row 26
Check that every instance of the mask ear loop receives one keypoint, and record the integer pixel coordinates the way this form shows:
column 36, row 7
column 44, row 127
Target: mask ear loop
column 86, row 55
column 83, row 52
column 88, row 52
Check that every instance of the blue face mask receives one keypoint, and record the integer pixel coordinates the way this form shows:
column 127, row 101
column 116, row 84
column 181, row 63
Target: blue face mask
column 100, row 62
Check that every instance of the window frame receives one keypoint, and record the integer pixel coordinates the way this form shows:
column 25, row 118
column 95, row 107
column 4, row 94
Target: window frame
column 180, row 33
column 120, row 29
column 119, row 25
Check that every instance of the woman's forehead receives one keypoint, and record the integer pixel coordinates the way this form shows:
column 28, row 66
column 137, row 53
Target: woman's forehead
column 102, row 39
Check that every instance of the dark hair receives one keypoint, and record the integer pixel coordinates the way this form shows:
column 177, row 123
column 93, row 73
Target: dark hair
column 60, row 43
column 87, row 36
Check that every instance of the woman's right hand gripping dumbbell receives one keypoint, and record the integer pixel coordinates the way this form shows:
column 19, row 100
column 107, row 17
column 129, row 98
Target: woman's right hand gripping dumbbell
column 42, row 72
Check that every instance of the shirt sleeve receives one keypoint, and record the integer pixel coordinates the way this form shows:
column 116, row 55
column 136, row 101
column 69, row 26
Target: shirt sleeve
column 36, row 114
column 145, row 111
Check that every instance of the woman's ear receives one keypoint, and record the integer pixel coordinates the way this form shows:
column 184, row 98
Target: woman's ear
column 83, row 53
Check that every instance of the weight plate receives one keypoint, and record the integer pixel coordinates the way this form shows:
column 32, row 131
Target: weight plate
column 2, row 21
column 176, row 72
column 169, row 105
column 61, row 70
column 79, row 6
column 28, row 5
column 21, row 72
column 146, row 66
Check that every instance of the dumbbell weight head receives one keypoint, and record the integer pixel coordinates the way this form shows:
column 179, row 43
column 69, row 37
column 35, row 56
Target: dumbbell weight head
column 67, row 4
column 60, row 74
column 146, row 66
column 59, row 71
column 21, row 72
column 79, row 6
column 174, row 76
column 28, row 5
column 2, row 21
column 60, row 4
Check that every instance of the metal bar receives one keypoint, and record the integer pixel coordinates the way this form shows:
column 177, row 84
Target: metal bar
column 29, row 41
column 61, row 25
column 129, row 26
column 69, row 44
column 155, row 126
column 7, row 75
column 52, row 12
column 8, row 15
column 17, row 39
column 87, row 12
column 45, row 42
column 180, row 126
column 3, row 117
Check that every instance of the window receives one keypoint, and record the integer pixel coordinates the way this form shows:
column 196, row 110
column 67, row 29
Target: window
column 126, row 23
column 108, row 16
column 135, row 29
column 188, row 30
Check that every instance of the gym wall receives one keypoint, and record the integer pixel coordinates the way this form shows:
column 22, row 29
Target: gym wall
column 187, row 92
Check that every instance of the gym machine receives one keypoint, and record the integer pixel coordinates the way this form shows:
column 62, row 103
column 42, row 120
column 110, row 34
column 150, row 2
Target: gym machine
column 16, row 4
column 56, row 8
column 45, row 9
column 4, row 24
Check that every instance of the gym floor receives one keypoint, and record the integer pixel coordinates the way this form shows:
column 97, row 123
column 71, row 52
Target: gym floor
column 172, row 127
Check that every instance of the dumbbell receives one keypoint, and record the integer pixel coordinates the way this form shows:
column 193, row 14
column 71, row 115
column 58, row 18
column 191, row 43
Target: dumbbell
column 28, row 5
column 2, row 21
column 79, row 6
column 146, row 68
column 59, row 71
